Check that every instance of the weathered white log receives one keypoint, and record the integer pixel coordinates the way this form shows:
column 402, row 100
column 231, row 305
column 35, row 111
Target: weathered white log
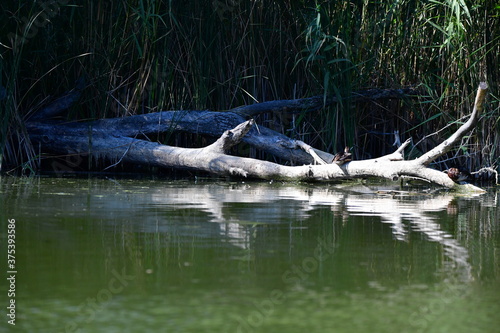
column 102, row 141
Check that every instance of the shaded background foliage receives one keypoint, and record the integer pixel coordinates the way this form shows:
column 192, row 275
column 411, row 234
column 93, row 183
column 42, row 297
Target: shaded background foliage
column 143, row 56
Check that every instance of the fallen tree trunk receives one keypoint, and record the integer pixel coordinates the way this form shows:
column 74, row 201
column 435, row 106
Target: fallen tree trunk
column 116, row 140
column 54, row 136
column 204, row 122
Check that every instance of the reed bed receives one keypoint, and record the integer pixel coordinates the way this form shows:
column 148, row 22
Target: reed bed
column 148, row 55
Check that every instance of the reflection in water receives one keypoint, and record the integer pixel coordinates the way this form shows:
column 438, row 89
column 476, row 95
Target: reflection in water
column 402, row 212
column 214, row 255
column 419, row 215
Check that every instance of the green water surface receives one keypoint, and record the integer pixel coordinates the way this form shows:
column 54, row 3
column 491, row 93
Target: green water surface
column 155, row 255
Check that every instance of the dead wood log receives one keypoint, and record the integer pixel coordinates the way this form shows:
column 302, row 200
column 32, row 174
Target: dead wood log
column 52, row 136
column 317, row 102
column 204, row 122
column 116, row 140
column 60, row 104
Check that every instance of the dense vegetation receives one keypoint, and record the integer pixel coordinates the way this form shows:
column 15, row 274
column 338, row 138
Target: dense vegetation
column 142, row 56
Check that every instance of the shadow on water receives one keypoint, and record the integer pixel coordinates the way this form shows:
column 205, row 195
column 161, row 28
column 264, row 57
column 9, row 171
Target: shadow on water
column 103, row 255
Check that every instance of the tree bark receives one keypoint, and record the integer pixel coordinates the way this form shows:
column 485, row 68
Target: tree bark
column 116, row 140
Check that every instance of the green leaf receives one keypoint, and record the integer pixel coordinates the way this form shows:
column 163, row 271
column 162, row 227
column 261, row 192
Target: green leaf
column 427, row 120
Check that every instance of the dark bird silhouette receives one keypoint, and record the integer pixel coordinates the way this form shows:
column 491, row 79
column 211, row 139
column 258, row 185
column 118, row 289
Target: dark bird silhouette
column 342, row 157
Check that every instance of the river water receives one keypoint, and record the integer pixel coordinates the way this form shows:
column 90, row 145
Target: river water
column 157, row 255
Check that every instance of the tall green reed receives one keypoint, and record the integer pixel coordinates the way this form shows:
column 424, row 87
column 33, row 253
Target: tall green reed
column 16, row 151
column 148, row 55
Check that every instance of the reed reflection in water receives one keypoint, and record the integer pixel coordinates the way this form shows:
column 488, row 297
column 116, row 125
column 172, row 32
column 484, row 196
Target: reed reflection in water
column 221, row 256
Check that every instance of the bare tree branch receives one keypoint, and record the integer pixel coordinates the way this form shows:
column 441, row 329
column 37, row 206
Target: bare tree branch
column 448, row 144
